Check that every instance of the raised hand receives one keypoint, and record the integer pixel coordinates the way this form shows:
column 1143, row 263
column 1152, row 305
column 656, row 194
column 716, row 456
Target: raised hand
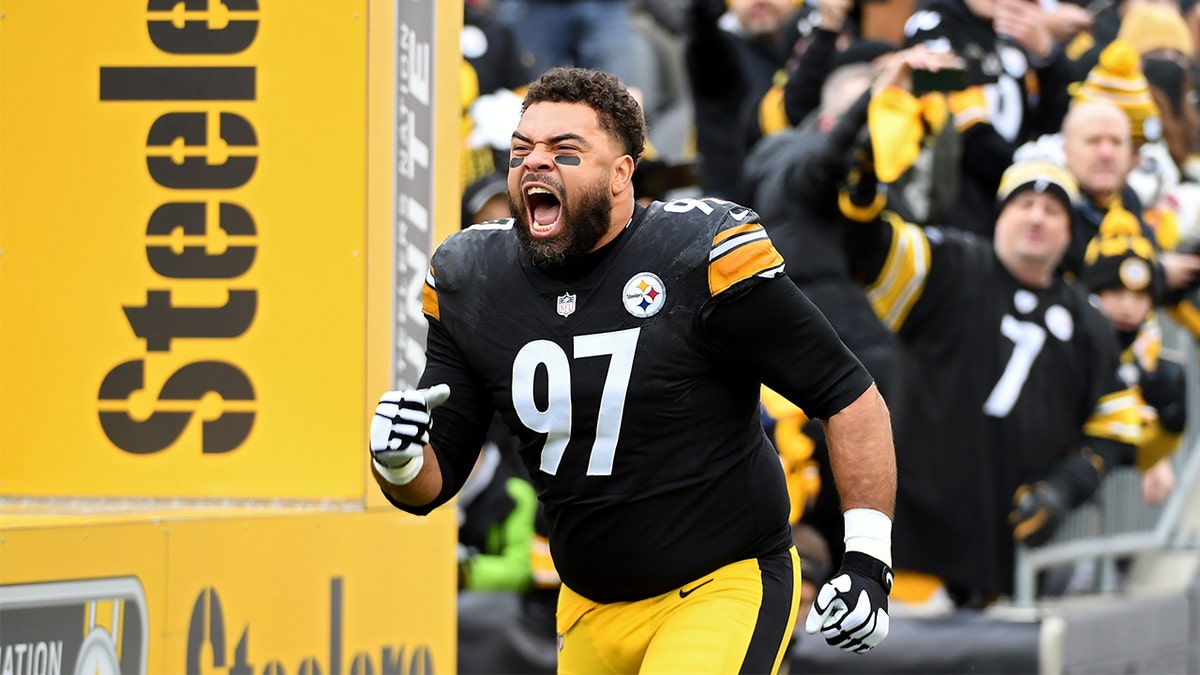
column 1038, row 510
column 400, row 430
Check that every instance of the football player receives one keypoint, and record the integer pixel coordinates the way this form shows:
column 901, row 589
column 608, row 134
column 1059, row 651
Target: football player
column 625, row 346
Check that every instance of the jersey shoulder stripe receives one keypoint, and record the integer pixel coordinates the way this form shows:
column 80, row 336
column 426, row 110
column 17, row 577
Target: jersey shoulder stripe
column 739, row 253
column 429, row 298
column 902, row 279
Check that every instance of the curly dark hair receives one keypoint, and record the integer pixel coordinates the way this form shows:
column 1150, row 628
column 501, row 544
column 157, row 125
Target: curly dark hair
column 618, row 112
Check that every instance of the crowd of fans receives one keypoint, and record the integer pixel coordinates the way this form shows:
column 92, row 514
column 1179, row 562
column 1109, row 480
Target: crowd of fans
column 959, row 198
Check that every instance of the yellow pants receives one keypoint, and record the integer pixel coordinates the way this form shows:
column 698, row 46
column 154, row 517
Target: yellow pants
column 736, row 620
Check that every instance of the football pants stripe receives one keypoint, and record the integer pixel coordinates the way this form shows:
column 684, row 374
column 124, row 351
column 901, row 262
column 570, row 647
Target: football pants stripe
column 780, row 598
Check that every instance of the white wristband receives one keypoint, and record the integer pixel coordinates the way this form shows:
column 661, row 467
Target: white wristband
column 869, row 531
column 401, row 475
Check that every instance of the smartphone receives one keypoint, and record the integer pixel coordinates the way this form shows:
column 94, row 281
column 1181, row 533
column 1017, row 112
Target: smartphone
column 946, row 79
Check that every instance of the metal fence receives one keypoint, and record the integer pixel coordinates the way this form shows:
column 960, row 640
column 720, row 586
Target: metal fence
column 1117, row 523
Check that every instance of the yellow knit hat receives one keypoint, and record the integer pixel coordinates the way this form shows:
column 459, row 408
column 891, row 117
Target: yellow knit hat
column 1118, row 79
column 1149, row 27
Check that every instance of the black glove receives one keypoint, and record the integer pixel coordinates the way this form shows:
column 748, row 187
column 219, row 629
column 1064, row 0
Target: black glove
column 1038, row 510
column 851, row 609
column 1166, row 390
column 860, row 195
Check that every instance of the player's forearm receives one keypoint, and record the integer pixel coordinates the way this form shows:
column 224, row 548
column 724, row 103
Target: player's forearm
column 861, row 454
column 421, row 490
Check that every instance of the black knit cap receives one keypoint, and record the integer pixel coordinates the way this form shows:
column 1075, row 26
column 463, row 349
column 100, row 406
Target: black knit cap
column 1039, row 175
column 1121, row 256
column 478, row 193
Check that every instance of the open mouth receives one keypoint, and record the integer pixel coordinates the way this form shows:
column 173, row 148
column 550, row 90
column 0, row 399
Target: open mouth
column 544, row 210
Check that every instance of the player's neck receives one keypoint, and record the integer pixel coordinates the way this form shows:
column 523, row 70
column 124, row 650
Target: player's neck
column 622, row 215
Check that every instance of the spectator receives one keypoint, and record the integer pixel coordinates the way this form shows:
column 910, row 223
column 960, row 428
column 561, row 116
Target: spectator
column 1014, row 410
column 783, row 181
column 1083, row 47
column 1097, row 146
column 802, row 91
column 494, row 73
column 505, row 630
column 586, row 33
column 496, row 509
column 1017, row 76
column 816, row 34
column 1097, row 149
column 1120, row 268
column 732, row 58
column 1108, row 23
column 662, row 79
column 1068, row 21
column 1168, row 180
column 1157, row 29
column 625, row 347
column 493, row 50
column 486, row 199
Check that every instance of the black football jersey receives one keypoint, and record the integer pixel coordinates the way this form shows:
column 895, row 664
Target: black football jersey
column 1005, row 381
column 644, row 444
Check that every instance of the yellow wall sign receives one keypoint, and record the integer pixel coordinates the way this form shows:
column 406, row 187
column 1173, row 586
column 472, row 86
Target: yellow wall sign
column 182, row 226
column 251, row 593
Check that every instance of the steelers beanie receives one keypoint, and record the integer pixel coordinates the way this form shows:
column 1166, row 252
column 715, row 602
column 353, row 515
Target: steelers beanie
column 1118, row 79
column 1121, row 256
column 1039, row 175
column 1150, row 27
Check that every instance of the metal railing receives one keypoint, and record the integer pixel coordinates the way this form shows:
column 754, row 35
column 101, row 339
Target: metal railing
column 1117, row 523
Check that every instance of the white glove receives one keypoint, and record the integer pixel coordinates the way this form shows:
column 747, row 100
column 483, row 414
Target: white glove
column 400, row 430
column 851, row 609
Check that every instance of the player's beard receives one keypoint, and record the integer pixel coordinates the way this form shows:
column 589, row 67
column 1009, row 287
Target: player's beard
column 586, row 219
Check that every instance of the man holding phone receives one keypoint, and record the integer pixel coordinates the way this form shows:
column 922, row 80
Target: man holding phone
column 1000, row 42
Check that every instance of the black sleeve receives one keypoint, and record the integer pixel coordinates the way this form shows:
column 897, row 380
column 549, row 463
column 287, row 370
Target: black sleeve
column 990, row 154
column 867, row 246
column 1166, row 389
column 1078, row 475
column 460, row 425
column 710, row 59
column 1054, row 79
column 774, row 331
column 802, row 92
column 813, row 179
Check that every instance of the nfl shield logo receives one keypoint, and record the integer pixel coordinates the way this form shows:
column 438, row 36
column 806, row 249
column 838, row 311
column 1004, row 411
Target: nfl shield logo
column 566, row 304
